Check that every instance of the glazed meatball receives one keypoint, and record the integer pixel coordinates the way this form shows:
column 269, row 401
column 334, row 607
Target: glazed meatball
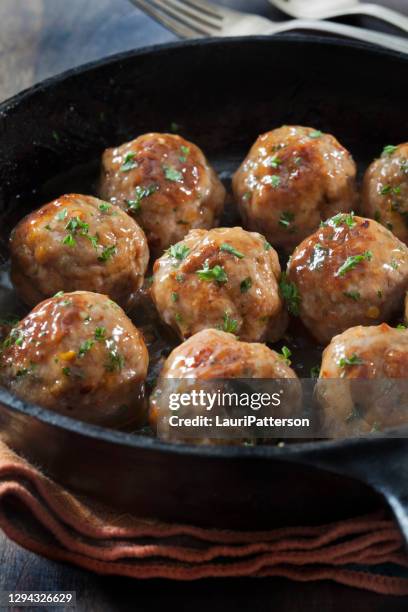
column 78, row 243
column 351, row 271
column 166, row 183
column 292, row 178
column 78, row 354
column 215, row 355
column 369, row 367
column 225, row 278
column 385, row 190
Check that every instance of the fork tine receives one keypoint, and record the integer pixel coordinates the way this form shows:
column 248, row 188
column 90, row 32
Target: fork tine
column 191, row 17
column 171, row 24
column 206, row 7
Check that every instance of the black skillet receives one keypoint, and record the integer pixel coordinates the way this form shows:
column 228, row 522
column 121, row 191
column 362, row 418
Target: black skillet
column 222, row 93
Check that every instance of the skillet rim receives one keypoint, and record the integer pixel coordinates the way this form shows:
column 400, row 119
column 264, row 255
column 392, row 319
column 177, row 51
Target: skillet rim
column 295, row 451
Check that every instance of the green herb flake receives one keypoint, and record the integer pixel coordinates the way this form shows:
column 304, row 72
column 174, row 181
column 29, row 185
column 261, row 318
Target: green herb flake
column 246, row 196
column 116, row 361
column 178, row 251
column 285, row 354
column 229, row 325
column 217, row 273
column 184, row 153
column 62, row 214
column 100, row 333
column 343, row 218
column 298, row 161
column 274, row 161
column 245, row 285
column 353, row 295
column 290, row 294
column 129, row 163
column 172, row 174
column 140, row 194
column 275, row 181
column 389, row 189
column 315, row 371
column 401, row 326
column 107, row 253
column 267, row 245
column 69, row 240
column 104, row 207
column 174, row 297
column 350, row 361
column 85, row 348
column 315, row 134
column 389, row 150
column 178, row 317
column 230, row 249
column 66, row 371
column 59, row 294
column 286, row 219
column 352, row 261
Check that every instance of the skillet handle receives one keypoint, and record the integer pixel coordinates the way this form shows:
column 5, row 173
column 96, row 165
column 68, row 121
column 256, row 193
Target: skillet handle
column 381, row 463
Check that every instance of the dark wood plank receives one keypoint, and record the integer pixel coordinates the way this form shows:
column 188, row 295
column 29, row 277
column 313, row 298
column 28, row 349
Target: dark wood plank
column 39, row 38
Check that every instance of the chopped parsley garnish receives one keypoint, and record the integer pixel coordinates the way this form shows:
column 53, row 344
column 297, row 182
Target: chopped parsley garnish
column 94, row 240
column 229, row 325
column 352, row 261
column 116, row 361
column 69, row 240
column 66, row 371
column 217, row 273
column 298, row 161
column 179, row 251
column 140, row 193
column 15, row 337
column 129, row 163
column 401, row 326
column 174, row 296
column 350, row 361
column 387, row 189
column 180, row 278
column 184, row 153
column 107, row 253
column 178, row 317
column 100, row 333
column 353, row 295
column 75, row 224
column 230, row 249
column 285, row 355
column 274, row 161
column 245, row 285
column 59, row 294
column 172, row 174
column 104, row 207
column 85, row 347
column 286, row 219
column 315, row 371
column 394, row 264
column 275, row 181
column 315, row 134
column 61, row 215
column 290, row 294
column 389, row 150
column 341, row 218
column 267, row 246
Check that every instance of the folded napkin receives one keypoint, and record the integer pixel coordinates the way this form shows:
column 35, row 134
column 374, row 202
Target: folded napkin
column 366, row 552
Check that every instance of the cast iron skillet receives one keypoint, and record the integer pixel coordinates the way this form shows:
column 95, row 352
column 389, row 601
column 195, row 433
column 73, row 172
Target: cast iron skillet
column 222, row 93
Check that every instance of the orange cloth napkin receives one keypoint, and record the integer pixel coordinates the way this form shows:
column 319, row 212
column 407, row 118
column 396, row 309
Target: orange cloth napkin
column 41, row 516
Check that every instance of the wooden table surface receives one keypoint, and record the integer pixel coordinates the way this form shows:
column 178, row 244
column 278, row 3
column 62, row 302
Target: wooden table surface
column 39, row 38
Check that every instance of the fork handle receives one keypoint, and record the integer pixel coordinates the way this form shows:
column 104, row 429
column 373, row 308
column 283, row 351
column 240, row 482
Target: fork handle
column 378, row 38
column 381, row 12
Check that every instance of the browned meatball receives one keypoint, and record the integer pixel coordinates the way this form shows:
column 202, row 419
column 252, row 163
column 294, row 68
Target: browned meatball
column 360, row 397
column 166, row 183
column 224, row 278
column 292, row 178
column 385, row 190
column 78, row 354
column 351, row 271
column 215, row 355
column 78, row 243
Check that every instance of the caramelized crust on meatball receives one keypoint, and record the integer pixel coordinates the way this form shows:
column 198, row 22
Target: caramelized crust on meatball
column 351, row 271
column 78, row 354
column 225, row 278
column 166, row 183
column 385, row 190
column 78, row 243
column 292, row 178
column 361, row 398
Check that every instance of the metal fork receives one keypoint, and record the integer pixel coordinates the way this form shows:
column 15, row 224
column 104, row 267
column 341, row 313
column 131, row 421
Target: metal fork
column 199, row 18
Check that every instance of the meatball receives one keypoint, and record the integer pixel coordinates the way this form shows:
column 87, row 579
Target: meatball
column 78, row 354
column 351, row 271
column 166, row 183
column 213, row 355
column 78, row 243
column 385, row 190
column 224, row 278
column 362, row 398
column 292, row 178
